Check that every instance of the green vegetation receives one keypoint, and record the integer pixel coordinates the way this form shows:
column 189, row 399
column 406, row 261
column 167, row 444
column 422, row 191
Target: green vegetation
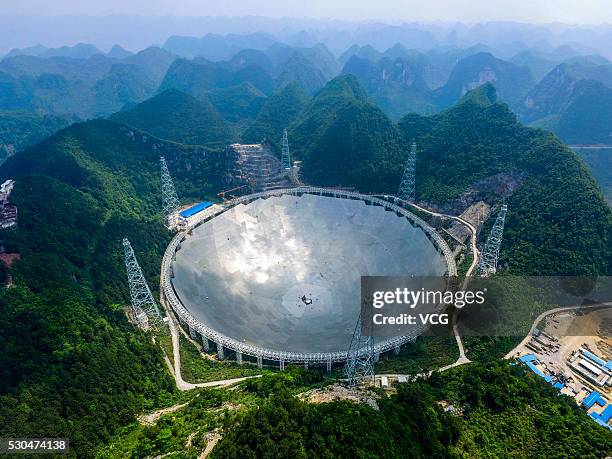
column 85, row 86
column 277, row 112
column 125, row 84
column 71, row 365
column 197, row 367
column 396, row 85
column 185, row 433
column 19, row 130
column 181, row 433
column 426, row 354
column 587, row 117
column 199, row 76
column 173, row 115
column 599, row 162
column 573, row 101
column 237, row 103
column 345, row 140
column 322, row 111
column 574, row 108
column 503, row 411
column 479, row 138
column 511, row 81
column 301, row 69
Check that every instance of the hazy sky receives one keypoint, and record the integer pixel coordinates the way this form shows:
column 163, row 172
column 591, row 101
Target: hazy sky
column 535, row 11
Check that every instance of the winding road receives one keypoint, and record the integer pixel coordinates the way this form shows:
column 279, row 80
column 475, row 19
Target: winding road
column 175, row 368
column 538, row 319
column 475, row 253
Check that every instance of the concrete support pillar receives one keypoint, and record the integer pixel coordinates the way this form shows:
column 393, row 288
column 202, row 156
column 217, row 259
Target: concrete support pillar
column 259, row 361
column 192, row 332
column 205, row 344
column 397, row 349
column 329, row 365
column 281, row 365
column 239, row 357
column 220, row 352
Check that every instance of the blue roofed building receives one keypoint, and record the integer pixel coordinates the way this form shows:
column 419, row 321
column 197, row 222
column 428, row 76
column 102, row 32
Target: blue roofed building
column 593, row 398
column 603, row 418
column 195, row 209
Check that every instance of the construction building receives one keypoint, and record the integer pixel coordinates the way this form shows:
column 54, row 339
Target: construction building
column 591, row 367
column 258, row 168
column 8, row 211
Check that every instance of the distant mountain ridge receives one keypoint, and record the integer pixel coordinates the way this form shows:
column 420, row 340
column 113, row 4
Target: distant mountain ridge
column 574, row 102
column 237, row 72
column 512, row 82
column 396, row 84
column 85, row 87
column 277, row 113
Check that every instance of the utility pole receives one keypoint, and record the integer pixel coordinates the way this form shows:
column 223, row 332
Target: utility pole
column 144, row 307
column 407, row 186
column 170, row 201
column 359, row 367
column 490, row 255
column 286, row 158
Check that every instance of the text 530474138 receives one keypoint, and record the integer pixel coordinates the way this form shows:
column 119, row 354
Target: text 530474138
column 33, row 445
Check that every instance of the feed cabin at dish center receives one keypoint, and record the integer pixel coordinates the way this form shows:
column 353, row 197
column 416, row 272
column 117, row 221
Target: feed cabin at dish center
column 240, row 274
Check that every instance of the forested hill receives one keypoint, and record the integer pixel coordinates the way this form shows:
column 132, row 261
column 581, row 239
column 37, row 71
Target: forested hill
column 344, row 139
column 505, row 411
column 20, row 129
column 278, row 111
column 70, row 364
column 174, row 115
column 558, row 221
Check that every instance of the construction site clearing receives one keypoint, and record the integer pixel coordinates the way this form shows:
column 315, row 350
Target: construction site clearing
column 335, row 392
column 8, row 211
column 256, row 169
column 572, row 351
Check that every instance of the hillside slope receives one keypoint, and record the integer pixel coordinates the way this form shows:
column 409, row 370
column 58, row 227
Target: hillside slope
column 479, row 138
column 173, row 115
column 396, row 85
column 20, row 129
column 278, row 111
column 71, row 366
column 86, row 87
column 322, row 110
column 585, row 117
column 344, row 140
column 511, row 81
column 199, row 76
column 505, row 412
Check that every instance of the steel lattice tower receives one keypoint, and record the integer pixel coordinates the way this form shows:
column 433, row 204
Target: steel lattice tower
column 359, row 365
column 144, row 306
column 407, row 186
column 490, row 255
column 170, row 201
column 286, row 158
